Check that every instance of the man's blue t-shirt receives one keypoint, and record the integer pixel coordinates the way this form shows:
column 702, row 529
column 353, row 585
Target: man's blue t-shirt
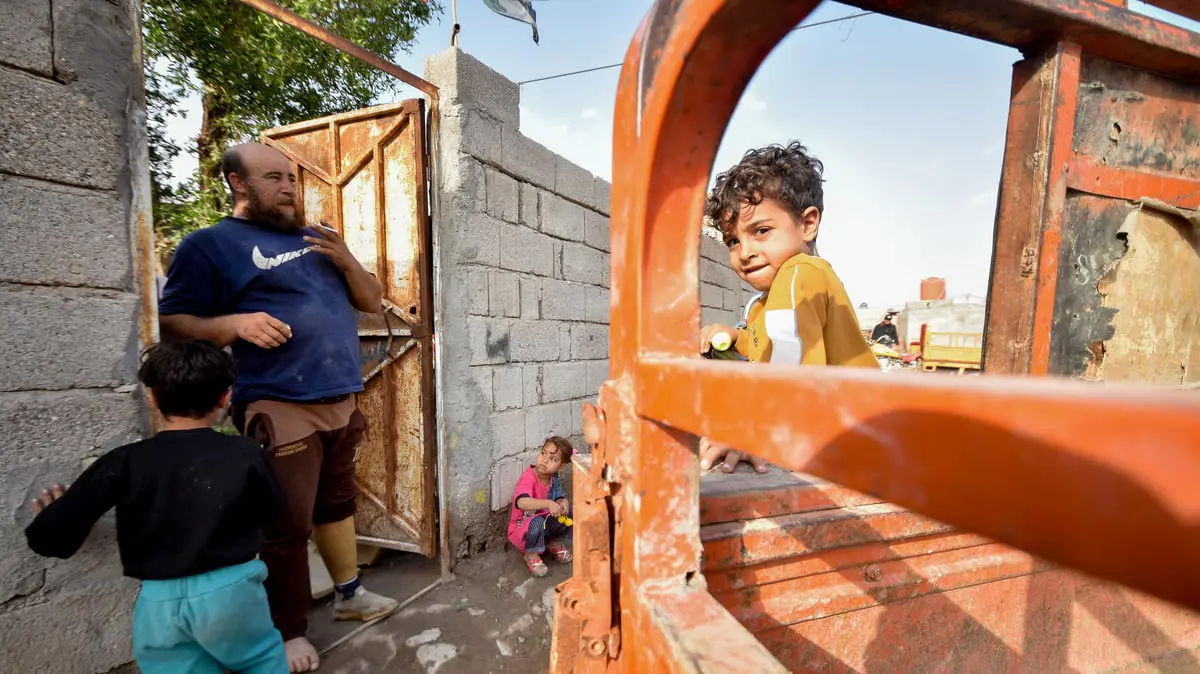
column 241, row 267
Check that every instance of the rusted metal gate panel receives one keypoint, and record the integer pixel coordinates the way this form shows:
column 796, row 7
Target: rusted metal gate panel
column 363, row 173
column 1103, row 480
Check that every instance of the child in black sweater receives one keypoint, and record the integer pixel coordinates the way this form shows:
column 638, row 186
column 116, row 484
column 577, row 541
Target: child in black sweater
column 190, row 507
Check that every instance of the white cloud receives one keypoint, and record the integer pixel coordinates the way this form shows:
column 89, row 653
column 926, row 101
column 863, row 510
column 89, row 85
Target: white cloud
column 754, row 104
column 589, row 113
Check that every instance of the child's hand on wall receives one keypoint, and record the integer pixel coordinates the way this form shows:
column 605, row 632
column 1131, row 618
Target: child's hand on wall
column 48, row 496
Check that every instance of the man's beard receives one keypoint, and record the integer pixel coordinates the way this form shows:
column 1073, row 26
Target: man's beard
column 270, row 214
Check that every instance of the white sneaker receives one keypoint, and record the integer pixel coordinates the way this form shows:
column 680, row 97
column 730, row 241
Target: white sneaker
column 362, row 606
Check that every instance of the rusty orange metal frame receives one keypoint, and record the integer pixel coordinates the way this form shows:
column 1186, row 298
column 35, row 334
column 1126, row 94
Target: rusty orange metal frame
column 1040, row 465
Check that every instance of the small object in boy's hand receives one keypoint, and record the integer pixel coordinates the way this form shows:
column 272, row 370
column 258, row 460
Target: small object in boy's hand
column 722, row 341
column 566, row 520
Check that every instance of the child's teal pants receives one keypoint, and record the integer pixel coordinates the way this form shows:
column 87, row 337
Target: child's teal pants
column 207, row 624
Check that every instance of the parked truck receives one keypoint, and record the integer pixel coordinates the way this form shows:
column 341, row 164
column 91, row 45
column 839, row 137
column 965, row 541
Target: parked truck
column 919, row 524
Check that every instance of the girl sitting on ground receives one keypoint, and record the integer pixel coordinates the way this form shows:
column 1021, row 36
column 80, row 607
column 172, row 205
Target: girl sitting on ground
column 538, row 502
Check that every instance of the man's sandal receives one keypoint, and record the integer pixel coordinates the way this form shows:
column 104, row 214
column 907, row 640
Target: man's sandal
column 536, row 566
column 561, row 554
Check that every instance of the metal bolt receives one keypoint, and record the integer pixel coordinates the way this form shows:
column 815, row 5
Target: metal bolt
column 596, row 648
column 873, row 573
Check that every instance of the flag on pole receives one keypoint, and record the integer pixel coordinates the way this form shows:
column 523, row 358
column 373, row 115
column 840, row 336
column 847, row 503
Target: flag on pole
column 520, row 10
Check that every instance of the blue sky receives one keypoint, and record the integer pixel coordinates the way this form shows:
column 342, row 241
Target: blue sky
column 909, row 121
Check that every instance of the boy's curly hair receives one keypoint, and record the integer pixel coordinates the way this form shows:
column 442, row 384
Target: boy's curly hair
column 787, row 174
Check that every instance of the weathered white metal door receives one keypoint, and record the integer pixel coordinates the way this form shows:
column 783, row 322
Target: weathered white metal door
column 364, row 173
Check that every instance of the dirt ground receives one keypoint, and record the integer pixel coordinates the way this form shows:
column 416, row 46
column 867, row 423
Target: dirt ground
column 493, row 617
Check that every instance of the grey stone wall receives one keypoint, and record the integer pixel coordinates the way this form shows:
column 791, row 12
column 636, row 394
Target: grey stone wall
column 71, row 92
column 524, row 238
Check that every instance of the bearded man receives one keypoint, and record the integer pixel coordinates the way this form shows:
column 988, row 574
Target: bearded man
column 281, row 295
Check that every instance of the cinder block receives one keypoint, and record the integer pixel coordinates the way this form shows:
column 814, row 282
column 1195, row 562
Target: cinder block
column 507, row 388
column 505, row 476
column 66, row 426
column 583, row 264
column 602, row 196
column 464, row 80
column 532, row 378
column 477, row 290
column 481, row 375
column 564, row 341
column 577, row 421
column 93, row 46
column 530, row 207
column 524, row 250
column 86, row 630
column 508, row 429
column 504, row 294
column 489, row 340
column 597, row 374
column 477, row 238
column 596, row 305
column 710, row 315
column 564, row 381
column 562, row 300
column 534, row 341
column 531, row 297
column 56, row 234
column 52, row 131
column 714, row 249
column 556, row 269
column 464, row 183
column 25, row 36
column 66, row 338
column 589, row 342
column 712, row 296
column 562, row 219
column 732, row 300
column 596, row 231
column 542, row 421
column 503, row 200
column 712, row 272
column 528, row 160
column 477, row 133
column 575, row 182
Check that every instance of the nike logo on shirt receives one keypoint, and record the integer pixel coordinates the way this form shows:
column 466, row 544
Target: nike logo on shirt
column 264, row 263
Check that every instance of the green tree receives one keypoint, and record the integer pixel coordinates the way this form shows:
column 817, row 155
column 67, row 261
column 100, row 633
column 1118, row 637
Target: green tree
column 253, row 72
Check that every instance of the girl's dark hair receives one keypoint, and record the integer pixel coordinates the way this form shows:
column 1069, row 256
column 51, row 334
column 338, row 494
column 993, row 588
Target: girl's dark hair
column 787, row 174
column 188, row 377
column 565, row 450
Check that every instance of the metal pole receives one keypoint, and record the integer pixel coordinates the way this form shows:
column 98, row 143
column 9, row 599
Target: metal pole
column 374, row 60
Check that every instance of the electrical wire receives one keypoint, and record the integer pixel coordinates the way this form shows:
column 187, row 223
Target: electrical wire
column 610, row 66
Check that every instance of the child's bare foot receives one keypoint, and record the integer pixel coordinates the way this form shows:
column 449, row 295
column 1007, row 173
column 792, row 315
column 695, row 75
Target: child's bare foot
column 536, row 566
column 301, row 655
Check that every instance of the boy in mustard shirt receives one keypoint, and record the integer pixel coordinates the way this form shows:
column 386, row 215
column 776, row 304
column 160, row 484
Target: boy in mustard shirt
column 768, row 209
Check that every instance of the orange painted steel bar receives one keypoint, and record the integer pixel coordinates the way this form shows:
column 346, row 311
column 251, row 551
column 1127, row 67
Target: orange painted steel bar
column 1041, row 465
column 1131, row 185
column 1100, row 479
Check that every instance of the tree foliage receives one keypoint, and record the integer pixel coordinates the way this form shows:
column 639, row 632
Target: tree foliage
column 253, row 72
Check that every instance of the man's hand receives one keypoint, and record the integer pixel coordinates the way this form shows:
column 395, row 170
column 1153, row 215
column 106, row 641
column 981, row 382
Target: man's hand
column 48, row 496
column 261, row 329
column 333, row 246
column 709, row 331
column 712, row 453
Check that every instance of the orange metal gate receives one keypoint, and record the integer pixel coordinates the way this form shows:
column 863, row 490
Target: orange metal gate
column 1104, row 480
column 364, row 173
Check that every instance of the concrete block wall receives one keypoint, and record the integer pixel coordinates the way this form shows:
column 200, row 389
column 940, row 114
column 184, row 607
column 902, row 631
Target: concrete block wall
column 69, row 307
column 524, row 244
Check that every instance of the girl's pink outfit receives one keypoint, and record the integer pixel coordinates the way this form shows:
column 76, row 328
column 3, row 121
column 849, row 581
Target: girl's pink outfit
column 528, row 485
